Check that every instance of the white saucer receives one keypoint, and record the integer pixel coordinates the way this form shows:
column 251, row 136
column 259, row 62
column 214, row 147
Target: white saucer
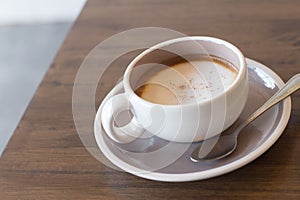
column 157, row 159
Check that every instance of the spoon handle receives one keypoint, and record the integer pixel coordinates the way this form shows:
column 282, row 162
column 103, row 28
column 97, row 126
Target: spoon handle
column 290, row 87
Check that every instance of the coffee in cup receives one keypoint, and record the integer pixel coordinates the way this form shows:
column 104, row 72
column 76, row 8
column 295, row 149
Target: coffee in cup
column 189, row 79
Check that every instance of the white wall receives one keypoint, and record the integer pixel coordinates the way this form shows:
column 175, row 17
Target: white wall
column 38, row 11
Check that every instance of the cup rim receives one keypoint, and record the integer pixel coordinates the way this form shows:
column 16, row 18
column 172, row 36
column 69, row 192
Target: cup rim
column 241, row 71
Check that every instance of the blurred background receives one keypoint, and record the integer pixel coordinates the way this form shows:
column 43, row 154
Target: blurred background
column 31, row 33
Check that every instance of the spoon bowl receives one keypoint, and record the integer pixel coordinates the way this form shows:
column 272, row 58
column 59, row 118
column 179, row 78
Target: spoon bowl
column 221, row 149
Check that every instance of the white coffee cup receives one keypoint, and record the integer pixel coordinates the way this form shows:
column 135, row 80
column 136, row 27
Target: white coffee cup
column 191, row 122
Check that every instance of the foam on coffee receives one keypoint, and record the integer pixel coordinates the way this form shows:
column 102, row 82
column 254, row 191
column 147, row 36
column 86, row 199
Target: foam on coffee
column 183, row 82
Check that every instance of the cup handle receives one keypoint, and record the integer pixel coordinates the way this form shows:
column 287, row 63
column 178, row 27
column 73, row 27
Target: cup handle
column 124, row 134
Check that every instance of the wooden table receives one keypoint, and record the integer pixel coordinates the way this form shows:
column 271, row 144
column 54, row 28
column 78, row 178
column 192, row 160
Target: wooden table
column 45, row 158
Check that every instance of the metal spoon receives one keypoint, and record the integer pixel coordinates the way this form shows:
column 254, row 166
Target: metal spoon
column 226, row 144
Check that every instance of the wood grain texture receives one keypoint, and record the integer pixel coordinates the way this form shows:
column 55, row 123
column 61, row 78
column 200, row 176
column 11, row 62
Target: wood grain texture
column 45, row 158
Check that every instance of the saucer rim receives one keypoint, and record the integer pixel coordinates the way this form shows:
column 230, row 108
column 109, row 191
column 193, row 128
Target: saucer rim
column 200, row 175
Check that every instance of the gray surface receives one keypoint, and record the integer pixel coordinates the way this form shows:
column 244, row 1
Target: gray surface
column 26, row 51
